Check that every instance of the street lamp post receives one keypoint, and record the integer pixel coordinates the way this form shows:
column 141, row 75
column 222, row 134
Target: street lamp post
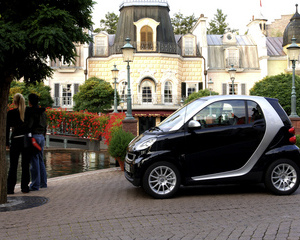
column 293, row 53
column 128, row 55
column 114, row 73
column 210, row 83
column 232, row 72
column 122, row 104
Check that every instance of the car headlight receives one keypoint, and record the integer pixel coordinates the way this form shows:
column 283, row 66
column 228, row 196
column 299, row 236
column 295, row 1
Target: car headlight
column 146, row 144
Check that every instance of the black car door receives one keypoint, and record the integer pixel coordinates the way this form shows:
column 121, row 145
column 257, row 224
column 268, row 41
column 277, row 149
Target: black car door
column 229, row 135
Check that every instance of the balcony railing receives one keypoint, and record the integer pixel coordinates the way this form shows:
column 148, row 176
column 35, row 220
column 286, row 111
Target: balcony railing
column 140, row 99
column 144, row 47
column 63, row 102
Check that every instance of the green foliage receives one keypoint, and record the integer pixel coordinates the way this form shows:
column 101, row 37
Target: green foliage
column 95, row 95
column 109, row 24
column 35, row 31
column 25, row 89
column 31, row 33
column 201, row 93
column 181, row 24
column 280, row 87
column 218, row 25
column 119, row 142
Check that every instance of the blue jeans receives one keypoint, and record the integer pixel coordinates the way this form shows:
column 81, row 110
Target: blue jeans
column 37, row 168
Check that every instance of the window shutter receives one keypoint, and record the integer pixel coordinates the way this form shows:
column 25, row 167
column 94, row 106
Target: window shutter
column 183, row 90
column 56, row 94
column 224, row 89
column 243, row 88
column 200, row 86
column 76, row 88
column 56, row 91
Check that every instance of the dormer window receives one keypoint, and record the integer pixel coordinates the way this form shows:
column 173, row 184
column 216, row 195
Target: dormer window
column 101, row 45
column 232, row 57
column 146, row 34
column 189, row 45
column 146, row 38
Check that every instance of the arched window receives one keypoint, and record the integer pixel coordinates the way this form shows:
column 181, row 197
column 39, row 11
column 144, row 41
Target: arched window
column 123, row 90
column 147, row 87
column 146, row 38
column 168, row 92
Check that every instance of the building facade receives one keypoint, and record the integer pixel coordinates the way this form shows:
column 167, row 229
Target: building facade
column 167, row 68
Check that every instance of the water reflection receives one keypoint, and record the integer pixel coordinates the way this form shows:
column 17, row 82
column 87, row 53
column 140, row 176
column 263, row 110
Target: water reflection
column 65, row 162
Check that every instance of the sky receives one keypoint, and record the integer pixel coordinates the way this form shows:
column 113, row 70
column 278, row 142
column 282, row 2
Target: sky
column 239, row 12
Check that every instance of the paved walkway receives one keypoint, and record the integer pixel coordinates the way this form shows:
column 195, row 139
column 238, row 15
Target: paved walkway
column 103, row 205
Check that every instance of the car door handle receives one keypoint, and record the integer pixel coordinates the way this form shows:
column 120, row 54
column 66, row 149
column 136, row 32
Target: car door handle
column 259, row 124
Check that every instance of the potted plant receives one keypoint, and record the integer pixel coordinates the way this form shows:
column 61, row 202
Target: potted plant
column 118, row 145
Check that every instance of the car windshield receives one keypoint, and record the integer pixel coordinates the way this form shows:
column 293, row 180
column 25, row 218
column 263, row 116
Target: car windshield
column 177, row 119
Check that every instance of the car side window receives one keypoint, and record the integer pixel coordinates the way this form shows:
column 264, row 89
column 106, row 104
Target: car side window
column 222, row 113
column 254, row 112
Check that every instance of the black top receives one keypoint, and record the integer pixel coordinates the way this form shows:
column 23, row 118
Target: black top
column 14, row 121
column 37, row 120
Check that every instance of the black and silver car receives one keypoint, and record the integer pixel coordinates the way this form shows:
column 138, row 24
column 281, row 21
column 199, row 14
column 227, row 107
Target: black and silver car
column 217, row 139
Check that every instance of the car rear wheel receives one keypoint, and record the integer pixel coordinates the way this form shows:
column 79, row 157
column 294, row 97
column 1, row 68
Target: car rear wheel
column 161, row 180
column 282, row 177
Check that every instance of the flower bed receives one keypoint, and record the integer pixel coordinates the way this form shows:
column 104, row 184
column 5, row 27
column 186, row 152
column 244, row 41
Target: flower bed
column 82, row 124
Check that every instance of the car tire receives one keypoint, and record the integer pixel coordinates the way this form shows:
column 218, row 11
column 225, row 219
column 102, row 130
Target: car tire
column 161, row 180
column 282, row 177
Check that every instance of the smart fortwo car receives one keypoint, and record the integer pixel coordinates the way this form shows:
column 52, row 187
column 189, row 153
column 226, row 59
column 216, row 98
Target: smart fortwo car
column 217, row 139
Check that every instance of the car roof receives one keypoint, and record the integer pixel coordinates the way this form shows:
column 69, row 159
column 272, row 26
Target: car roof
column 232, row 97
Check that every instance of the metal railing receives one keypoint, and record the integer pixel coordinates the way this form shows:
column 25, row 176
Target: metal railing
column 63, row 102
column 137, row 99
column 145, row 47
column 140, row 99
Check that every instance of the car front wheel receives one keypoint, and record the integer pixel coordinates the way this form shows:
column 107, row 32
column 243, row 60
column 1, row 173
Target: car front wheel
column 282, row 177
column 161, row 180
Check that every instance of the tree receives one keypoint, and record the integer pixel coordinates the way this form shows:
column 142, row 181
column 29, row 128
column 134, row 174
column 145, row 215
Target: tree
column 31, row 32
column 182, row 25
column 200, row 93
column 280, row 87
column 109, row 24
column 218, row 25
column 38, row 88
column 95, row 95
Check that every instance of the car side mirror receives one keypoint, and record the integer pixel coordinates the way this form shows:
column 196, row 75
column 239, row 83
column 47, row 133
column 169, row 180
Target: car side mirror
column 194, row 124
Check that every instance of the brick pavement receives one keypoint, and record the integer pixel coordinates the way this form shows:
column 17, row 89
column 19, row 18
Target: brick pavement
column 103, row 205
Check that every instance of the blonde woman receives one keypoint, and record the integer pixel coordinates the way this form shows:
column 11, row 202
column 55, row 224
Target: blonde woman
column 16, row 122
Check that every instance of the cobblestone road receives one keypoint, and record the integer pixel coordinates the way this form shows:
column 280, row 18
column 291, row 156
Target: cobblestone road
column 103, row 205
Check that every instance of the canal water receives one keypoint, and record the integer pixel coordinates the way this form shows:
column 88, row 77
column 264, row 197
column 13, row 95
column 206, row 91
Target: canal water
column 66, row 162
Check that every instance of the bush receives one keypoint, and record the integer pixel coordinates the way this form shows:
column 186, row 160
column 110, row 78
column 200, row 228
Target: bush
column 95, row 95
column 280, row 87
column 80, row 124
column 26, row 88
column 119, row 142
column 114, row 123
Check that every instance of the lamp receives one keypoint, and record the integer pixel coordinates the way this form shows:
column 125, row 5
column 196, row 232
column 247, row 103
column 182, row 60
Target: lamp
column 210, row 83
column 122, row 104
column 232, row 72
column 128, row 54
column 114, row 73
column 293, row 53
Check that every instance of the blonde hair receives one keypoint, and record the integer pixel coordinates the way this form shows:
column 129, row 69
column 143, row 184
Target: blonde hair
column 19, row 101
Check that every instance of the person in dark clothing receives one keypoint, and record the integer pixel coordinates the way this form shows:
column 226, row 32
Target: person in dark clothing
column 16, row 122
column 37, row 123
